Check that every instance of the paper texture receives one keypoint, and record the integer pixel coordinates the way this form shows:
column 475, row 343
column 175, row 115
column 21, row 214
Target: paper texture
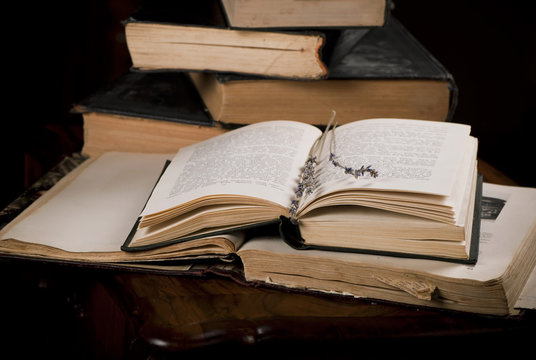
column 96, row 212
column 261, row 160
column 509, row 215
column 527, row 299
column 410, row 155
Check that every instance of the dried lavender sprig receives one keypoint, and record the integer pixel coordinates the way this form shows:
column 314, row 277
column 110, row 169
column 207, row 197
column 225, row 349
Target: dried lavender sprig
column 348, row 169
column 306, row 185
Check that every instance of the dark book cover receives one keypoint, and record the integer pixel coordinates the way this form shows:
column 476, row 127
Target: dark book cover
column 153, row 95
column 388, row 52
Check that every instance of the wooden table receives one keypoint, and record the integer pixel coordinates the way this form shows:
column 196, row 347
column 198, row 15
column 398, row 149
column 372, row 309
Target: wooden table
column 79, row 312
column 176, row 315
column 173, row 315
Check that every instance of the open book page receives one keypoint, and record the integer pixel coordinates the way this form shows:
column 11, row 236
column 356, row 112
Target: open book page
column 409, row 155
column 509, row 216
column 94, row 210
column 262, row 161
column 463, row 190
column 88, row 214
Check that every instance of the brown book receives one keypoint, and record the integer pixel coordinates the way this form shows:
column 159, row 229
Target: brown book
column 194, row 35
column 145, row 112
column 381, row 72
column 305, row 14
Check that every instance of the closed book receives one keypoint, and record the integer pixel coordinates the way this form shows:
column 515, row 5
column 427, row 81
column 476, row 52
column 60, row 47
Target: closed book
column 389, row 186
column 382, row 72
column 286, row 14
column 194, row 35
column 145, row 112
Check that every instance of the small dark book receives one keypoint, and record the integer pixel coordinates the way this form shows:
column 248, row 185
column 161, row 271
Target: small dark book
column 145, row 112
column 382, row 72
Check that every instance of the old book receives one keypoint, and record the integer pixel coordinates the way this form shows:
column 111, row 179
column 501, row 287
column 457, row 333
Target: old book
column 193, row 35
column 145, row 112
column 527, row 298
column 84, row 218
column 382, row 72
column 420, row 204
column 305, row 14
column 496, row 284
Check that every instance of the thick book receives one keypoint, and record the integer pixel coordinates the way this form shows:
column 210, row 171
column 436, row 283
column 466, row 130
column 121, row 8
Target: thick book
column 145, row 112
column 501, row 282
column 285, row 14
column 382, row 72
column 194, row 35
column 395, row 186
column 84, row 218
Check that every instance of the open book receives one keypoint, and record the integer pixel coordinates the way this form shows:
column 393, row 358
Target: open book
column 416, row 198
column 86, row 216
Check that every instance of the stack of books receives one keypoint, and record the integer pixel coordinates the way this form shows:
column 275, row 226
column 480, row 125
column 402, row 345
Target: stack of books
column 243, row 74
column 315, row 154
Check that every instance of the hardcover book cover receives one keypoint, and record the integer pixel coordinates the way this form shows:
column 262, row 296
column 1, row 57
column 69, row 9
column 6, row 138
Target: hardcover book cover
column 153, row 95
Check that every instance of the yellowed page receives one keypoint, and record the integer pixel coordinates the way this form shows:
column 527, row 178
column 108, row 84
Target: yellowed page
column 96, row 211
column 527, row 299
column 261, row 161
column 410, row 155
column 509, row 214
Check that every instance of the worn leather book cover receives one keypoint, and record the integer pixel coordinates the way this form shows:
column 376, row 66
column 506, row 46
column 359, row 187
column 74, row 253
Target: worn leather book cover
column 152, row 95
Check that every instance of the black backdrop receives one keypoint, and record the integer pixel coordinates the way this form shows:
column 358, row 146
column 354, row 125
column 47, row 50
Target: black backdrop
column 57, row 54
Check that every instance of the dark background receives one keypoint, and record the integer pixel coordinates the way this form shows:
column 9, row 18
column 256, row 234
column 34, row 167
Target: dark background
column 59, row 54
column 54, row 55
